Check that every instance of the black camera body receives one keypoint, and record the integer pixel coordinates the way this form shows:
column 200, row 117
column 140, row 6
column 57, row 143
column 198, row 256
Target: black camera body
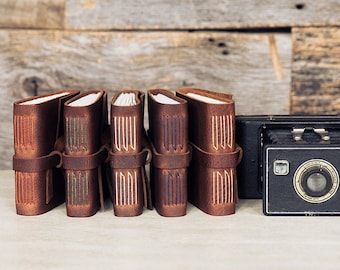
column 291, row 162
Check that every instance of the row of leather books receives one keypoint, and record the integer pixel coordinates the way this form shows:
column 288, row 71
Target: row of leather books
column 67, row 151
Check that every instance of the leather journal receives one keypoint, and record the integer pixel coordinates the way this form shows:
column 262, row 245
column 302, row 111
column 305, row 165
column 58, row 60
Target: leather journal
column 129, row 153
column 37, row 160
column 212, row 175
column 85, row 124
column 168, row 134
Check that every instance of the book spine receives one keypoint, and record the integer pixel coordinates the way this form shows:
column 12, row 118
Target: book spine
column 172, row 182
column 83, row 127
column 30, row 187
column 81, row 184
column 213, row 187
column 126, row 140
column 169, row 135
column 37, row 184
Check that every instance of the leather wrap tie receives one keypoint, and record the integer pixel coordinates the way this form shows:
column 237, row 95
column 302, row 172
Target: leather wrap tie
column 85, row 162
column 217, row 160
column 43, row 163
column 170, row 161
column 130, row 160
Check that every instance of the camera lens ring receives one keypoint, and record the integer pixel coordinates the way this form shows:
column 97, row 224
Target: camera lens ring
column 325, row 170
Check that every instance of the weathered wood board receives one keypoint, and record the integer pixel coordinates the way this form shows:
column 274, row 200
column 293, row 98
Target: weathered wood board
column 255, row 68
column 200, row 14
column 166, row 14
column 32, row 14
column 316, row 70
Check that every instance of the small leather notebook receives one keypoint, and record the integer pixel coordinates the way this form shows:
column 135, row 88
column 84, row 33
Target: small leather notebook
column 38, row 131
column 85, row 123
column 168, row 133
column 215, row 155
column 129, row 154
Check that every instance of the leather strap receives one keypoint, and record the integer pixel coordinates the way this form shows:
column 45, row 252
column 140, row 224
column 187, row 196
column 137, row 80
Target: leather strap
column 86, row 162
column 129, row 161
column 170, row 161
column 216, row 160
column 147, row 198
column 52, row 160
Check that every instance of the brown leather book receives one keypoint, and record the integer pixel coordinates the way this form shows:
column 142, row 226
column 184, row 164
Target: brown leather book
column 168, row 133
column 212, row 173
column 85, row 123
column 129, row 154
column 38, row 131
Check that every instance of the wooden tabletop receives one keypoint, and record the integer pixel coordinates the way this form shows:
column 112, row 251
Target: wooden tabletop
column 246, row 240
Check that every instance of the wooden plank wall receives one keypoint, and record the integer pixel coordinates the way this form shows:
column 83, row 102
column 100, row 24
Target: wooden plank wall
column 316, row 70
column 275, row 57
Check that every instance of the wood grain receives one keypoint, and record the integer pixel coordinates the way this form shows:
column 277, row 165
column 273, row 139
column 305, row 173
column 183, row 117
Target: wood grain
column 166, row 14
column 200, row 14
column 315, row 70
column 36, row 62
column 32, row 14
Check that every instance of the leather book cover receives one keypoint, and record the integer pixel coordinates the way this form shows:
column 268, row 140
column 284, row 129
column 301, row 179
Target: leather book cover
column 38, row 132
column 212, row 174
column 85, row 122
column 129, row 153
column 168, row 134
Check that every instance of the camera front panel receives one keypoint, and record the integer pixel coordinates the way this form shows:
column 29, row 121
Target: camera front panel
column 301, row 180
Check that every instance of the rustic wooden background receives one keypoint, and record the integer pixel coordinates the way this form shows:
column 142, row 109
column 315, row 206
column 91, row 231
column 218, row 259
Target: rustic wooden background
column 275, row 56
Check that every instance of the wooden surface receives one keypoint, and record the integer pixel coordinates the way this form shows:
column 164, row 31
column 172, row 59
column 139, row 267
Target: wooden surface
column 252, row 67
column 245, row 240
column 32, row 14
column 213, row 14
column 166, row 14
column 315, row 70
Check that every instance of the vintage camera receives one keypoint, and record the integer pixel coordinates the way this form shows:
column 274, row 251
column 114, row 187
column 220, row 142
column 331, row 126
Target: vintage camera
column 291, row 162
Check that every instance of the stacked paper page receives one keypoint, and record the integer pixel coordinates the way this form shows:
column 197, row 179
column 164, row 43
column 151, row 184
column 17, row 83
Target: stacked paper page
column 125, row 99
column 85, row 100
column 43, row 99
column 160, row 98
column 206, row 99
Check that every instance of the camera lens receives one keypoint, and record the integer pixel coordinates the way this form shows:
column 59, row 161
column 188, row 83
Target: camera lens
column 316, row 180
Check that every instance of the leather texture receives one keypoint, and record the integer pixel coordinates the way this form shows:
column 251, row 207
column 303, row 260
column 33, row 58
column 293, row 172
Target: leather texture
column 168, row 134
column 212, row 174
column 38, row 143
column 129, row 153
column 85, row 154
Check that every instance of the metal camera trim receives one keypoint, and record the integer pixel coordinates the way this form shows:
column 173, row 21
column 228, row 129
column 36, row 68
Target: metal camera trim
column 310, row 165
